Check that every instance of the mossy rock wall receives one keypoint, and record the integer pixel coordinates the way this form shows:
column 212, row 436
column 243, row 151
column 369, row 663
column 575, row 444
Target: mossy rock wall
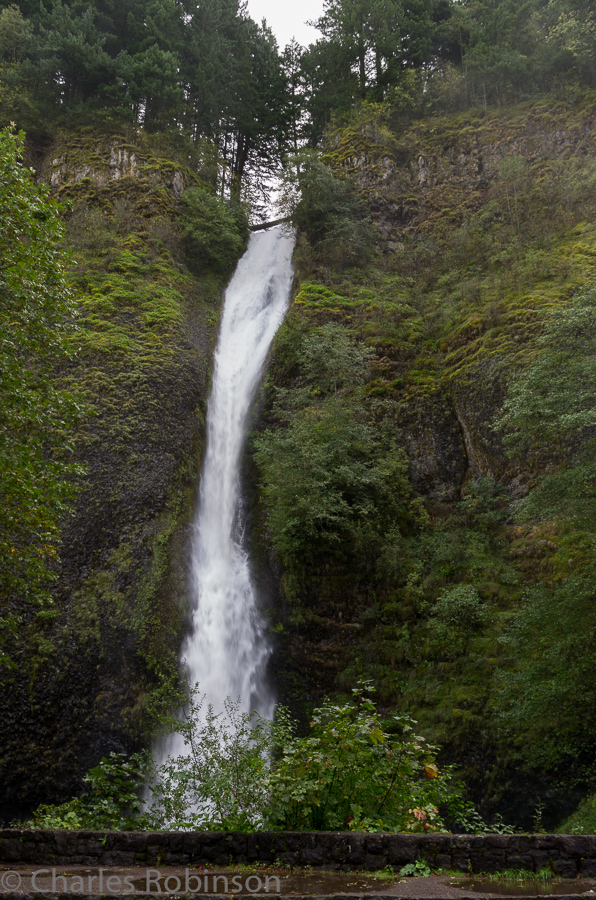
column 484, row 226
column 94, row 671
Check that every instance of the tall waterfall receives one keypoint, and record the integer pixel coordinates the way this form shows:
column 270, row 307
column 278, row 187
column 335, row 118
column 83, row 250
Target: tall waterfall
column 226, row 651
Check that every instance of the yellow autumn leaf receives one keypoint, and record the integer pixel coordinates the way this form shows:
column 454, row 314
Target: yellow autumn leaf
column 376, row 735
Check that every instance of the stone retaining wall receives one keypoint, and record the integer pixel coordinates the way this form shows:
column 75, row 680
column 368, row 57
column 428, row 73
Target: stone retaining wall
column 567, row 855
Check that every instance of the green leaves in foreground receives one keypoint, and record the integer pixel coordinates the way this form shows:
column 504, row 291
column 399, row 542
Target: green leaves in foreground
column 36, row 322
column 111, row 800
column 240, row 772
column 350, row 772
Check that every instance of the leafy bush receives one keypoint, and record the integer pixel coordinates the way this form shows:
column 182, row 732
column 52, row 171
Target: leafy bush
column 332, row 361
column 419, row 869
column 551, row 405
column 583, row 820
column 462, row 816
column 111, row 802
column 547, row 691
column 349, row 772
column 244, row 773
column 213, row 232
column 331, row 481
column 221, row 781
column 323, row 483
column 455, row 616
column 36, row 418
column 460, row 607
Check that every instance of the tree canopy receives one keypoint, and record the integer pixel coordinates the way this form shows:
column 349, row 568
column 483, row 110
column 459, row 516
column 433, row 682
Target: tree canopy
column 207, row 70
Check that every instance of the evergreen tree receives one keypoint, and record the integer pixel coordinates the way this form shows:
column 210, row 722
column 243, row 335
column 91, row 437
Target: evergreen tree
column 210, row 64
column 15, row 34
column 256, row 136
column 291, row 62
column 366, row 49
column 72, row 60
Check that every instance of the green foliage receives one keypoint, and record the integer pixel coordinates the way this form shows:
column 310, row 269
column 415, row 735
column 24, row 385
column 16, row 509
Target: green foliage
column 111, row 801
column 522, row 877
column 366, row 51
column 507, row 54
column 143, row 377
column 331, row 362
column 15, row 34
column 328, row 210
column 324, row 483
column 554, row 398
column 210, row 72
column 134, row 362
column 551, row 405
column 454, row 310
column 463, row 816
column 213, row 232
column 331, row 484
column 547, row 698
column 221, row 782
column 419, row 869
column 207, row 74
column 583, row 820
column 240, row 772
column 350, row 772
column 70, row 43
column 457, row 613
column 547, row 690
column 36, row 418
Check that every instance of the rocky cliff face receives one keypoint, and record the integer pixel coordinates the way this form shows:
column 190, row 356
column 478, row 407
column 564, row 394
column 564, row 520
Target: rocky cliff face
column 485, row 225
column 428, row 186
column 92, row 672
column 408, row 172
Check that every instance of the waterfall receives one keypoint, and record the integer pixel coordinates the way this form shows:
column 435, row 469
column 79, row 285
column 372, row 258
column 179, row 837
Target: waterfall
column 226, row 651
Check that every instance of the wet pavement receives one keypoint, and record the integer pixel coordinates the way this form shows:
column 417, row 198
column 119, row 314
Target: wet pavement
column 87, row 883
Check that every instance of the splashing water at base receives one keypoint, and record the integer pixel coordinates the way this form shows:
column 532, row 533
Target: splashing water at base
column 226, row 651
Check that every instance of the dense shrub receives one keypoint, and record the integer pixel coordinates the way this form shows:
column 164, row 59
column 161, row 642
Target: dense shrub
column 213, row 232
column 332, row 483
column 329, row 210
column 240, row 772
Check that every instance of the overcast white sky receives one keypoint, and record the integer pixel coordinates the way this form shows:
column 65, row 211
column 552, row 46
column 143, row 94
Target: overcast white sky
column 287, row 18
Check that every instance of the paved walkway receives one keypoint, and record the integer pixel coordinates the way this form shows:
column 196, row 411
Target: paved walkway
column 86, row 883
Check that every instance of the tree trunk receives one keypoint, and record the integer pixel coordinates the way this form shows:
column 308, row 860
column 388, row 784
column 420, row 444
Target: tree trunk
column 362, row 61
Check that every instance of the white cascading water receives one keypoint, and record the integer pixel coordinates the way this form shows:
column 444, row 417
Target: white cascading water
column 226, row 651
